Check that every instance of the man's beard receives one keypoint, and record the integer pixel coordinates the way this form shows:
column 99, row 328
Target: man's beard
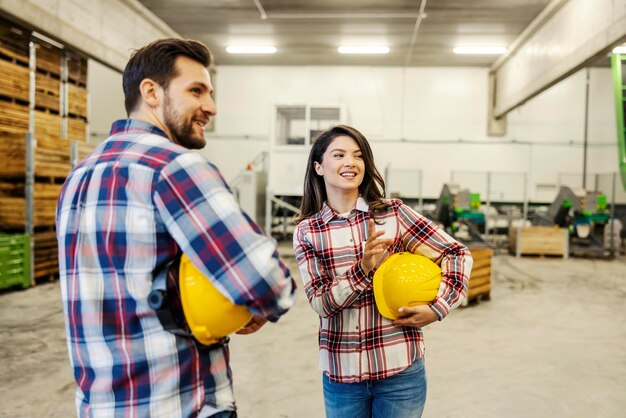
column 181, row 130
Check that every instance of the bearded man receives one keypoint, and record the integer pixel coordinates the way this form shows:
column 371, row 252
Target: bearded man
column 140, row 200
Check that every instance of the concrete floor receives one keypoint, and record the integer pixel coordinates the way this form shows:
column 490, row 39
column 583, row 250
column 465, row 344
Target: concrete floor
column 550, row 343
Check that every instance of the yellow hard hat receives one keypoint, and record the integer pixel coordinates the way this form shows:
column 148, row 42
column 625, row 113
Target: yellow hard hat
column 187, row 304
column 209, row 314
column 405, row 279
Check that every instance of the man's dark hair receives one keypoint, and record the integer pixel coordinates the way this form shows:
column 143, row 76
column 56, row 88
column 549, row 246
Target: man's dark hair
column 156, row 61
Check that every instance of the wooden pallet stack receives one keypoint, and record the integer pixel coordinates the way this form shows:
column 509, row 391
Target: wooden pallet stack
column 14, row 125
column 52, row 157
column 480, row 276
column 539, row 240
column 14, row 90
column 14, row 120
column 83, row 150
column 59, row 113
column 76, row 98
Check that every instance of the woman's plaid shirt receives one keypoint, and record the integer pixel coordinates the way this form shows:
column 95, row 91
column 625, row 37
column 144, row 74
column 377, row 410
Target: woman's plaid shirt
column 356, row 342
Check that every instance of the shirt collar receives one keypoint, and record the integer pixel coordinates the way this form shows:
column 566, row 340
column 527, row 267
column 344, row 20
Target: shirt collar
column 327, row 213
column 136, row 126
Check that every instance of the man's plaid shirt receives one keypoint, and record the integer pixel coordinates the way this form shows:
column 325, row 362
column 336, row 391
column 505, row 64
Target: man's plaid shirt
column 123, row 213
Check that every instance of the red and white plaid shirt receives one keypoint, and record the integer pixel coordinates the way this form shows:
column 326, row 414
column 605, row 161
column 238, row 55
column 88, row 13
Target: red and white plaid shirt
column 356, row 342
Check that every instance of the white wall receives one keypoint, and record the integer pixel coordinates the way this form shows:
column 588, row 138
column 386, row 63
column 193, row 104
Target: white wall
column 106, row 99
column 429, row 119
column 384, row 103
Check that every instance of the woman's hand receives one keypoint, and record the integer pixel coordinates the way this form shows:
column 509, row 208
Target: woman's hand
column 416, row 316
column 374, row 247
column 254, row 324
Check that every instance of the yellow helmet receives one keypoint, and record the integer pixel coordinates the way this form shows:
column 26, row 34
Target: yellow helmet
column 206, row 314
column 405, row 279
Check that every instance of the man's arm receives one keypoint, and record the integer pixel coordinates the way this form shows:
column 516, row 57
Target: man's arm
column 203, row 217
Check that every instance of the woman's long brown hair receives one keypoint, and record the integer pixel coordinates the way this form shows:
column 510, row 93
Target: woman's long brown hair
column 372, row 188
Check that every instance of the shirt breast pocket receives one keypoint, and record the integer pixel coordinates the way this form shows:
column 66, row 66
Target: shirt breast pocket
column 344, row 239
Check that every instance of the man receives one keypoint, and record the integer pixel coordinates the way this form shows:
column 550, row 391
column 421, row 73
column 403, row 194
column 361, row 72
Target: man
column 138, row 201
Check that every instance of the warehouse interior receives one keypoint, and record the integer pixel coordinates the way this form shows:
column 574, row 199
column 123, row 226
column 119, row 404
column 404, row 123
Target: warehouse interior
column 517, row 150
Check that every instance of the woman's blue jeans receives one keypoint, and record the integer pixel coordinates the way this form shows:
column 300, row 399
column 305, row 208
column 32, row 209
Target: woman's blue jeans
column 400, row 396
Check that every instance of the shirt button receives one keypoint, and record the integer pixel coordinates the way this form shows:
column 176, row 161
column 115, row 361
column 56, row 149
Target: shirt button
column 350, row 239
column 357, row 327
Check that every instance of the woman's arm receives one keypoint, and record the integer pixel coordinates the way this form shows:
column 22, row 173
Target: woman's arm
column 330, row 295
column 424, row 237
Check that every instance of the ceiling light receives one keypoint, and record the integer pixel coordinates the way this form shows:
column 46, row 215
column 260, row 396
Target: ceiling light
column 251, row 49
column 620, row 49
column 363, row 49
column 480, row 50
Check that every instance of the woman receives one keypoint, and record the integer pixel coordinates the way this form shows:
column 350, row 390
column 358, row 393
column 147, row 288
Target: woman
column 372, row 366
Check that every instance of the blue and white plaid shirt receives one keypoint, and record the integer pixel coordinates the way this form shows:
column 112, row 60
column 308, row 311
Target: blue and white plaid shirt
column 123, row 213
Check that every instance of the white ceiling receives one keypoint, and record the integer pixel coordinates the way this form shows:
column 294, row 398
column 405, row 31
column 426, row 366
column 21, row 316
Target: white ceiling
column 308, row 32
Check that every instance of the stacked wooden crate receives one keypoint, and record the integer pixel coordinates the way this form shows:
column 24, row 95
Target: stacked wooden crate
column 539, row 240
column 480, row 276
column 14, row 84
column 46, row 255
column 52, row 157
column 83, row 150
column 14, row 125
column 76, row 98
column 54, row 127
column 14, row 118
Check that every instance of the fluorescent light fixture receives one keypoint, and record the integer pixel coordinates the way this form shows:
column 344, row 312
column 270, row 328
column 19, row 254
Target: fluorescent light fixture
column 363, row 49
column 620, row 49
column 480, row 50
column 251, row 49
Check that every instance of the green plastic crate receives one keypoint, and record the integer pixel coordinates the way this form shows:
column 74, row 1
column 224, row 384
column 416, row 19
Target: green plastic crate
column 14, row 261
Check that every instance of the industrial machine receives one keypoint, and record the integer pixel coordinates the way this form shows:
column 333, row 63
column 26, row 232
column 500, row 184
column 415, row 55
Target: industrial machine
column 586, row 216
column 458, row 211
